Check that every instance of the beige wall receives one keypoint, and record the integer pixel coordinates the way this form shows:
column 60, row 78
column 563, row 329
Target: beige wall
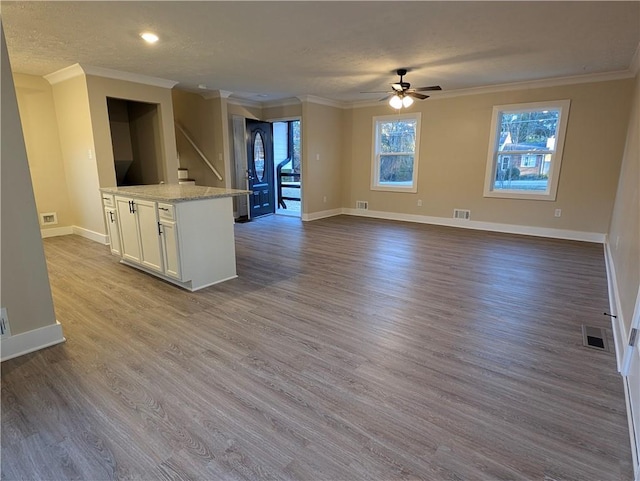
column 78, row 153
column 322, row 130
column 24, row 281
column 201, row 119
column 291, row 111
column 38, row 118
column 99, row 88
column 624, row 234
column 453, row 156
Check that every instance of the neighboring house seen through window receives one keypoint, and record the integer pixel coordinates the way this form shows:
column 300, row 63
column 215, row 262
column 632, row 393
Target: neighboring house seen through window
column 395, row 153
column 525, row 150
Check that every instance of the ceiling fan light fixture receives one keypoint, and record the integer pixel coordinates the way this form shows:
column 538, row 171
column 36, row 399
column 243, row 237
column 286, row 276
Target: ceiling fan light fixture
column 407, row 101
column 396, row 102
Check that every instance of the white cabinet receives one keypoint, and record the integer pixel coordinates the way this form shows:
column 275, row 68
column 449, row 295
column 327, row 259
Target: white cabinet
column 111, row 215
column 189, row 243
column 111, row 218
column 149, row 233
column 170, row 242
column 140, row 232
column 128, row 229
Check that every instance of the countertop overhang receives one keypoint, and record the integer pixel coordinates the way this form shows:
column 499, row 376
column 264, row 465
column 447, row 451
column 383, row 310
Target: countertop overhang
column 173, row 192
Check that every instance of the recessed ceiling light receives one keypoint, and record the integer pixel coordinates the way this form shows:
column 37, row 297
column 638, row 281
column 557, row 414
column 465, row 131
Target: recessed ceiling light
column 149, row 37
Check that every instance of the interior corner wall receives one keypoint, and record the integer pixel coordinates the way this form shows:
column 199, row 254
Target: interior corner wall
column 24, row 281
column 322, row 162
column 624, row 233
column 79, row 154
column 42, row 141
column 454, row 142
column 98, row 89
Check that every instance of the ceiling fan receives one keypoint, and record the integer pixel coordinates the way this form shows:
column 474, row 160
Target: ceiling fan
column 402, row 94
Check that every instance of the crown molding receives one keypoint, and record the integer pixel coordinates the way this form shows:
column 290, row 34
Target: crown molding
column 128, row 76
column 63, row 74
column 323, row 101
column 532, row 84
column 216, row 94
column 77, row 69
column 244, row 102
column 281, row 102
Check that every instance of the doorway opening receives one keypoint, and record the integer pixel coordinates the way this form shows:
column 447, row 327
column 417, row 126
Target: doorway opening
column 286, row 156
column 135, row 137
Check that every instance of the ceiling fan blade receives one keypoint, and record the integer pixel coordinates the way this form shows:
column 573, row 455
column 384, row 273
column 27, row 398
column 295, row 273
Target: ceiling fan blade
column 426, row 89
column 416, row 95
column 375, row 92
column 386, row 97
column 397, row 87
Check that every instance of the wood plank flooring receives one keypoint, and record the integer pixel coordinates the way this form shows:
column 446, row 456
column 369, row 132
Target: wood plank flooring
column 347, row 349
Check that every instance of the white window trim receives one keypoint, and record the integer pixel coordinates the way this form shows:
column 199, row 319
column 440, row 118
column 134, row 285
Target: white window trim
column 556, row 158
column 375, row 162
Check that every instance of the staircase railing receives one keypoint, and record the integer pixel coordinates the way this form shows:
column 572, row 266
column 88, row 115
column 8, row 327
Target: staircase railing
column 195, row 147
column 292, row 185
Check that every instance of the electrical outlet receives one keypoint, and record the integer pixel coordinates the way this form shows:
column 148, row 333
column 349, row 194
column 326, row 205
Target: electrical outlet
column 558, row 212
column 324, row 199
column 4, row 323
column 419, row 202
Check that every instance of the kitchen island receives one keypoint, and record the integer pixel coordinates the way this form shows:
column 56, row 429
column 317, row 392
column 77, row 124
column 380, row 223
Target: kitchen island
column 180, row 233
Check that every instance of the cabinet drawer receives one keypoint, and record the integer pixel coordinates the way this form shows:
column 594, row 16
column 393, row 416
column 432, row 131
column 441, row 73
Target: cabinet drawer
column 107, row 200
column 166, row 211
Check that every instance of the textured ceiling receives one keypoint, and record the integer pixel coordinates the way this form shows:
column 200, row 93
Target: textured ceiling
column 271, row 50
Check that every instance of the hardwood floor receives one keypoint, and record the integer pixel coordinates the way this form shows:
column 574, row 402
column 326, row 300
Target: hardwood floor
column 347, row 349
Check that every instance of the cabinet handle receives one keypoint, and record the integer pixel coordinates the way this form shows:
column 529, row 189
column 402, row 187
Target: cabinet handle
column 111, row 216
column 160, row 229
column 133, row 207
column 163, row 208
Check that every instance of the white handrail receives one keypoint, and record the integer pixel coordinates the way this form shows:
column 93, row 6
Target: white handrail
column 204, row 157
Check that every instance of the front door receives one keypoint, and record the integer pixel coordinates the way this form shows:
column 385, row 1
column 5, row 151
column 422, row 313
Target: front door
column 260, row 167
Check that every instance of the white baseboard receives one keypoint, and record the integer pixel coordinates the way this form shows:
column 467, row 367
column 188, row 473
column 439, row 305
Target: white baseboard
column 487, row 226
column 56, row 231
column 30, row 341
column 617, row 325
column 91, row 235
column 322, row 214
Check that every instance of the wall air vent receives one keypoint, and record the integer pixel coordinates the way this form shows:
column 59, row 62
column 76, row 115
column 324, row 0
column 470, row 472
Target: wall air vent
column 362, row 204
column 461, row 214
column 49, row 218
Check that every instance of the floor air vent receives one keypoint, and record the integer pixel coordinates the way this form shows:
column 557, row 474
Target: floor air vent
column 595, row 338
column 362, row 204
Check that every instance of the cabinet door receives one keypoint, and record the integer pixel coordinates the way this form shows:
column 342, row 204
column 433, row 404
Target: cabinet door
column 128, row 223
column 150, row 241
column 170, row 248
column 111, row 215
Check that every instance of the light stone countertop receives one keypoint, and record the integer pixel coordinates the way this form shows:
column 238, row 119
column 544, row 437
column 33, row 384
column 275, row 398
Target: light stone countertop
column 173, row 192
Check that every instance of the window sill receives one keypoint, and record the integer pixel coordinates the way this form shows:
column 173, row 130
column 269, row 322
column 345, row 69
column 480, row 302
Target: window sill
column 515, row 194
column 406, row 190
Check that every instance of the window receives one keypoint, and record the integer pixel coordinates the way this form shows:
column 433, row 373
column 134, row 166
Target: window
column 395, row 153
column 525, row 150
column 529, row 160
